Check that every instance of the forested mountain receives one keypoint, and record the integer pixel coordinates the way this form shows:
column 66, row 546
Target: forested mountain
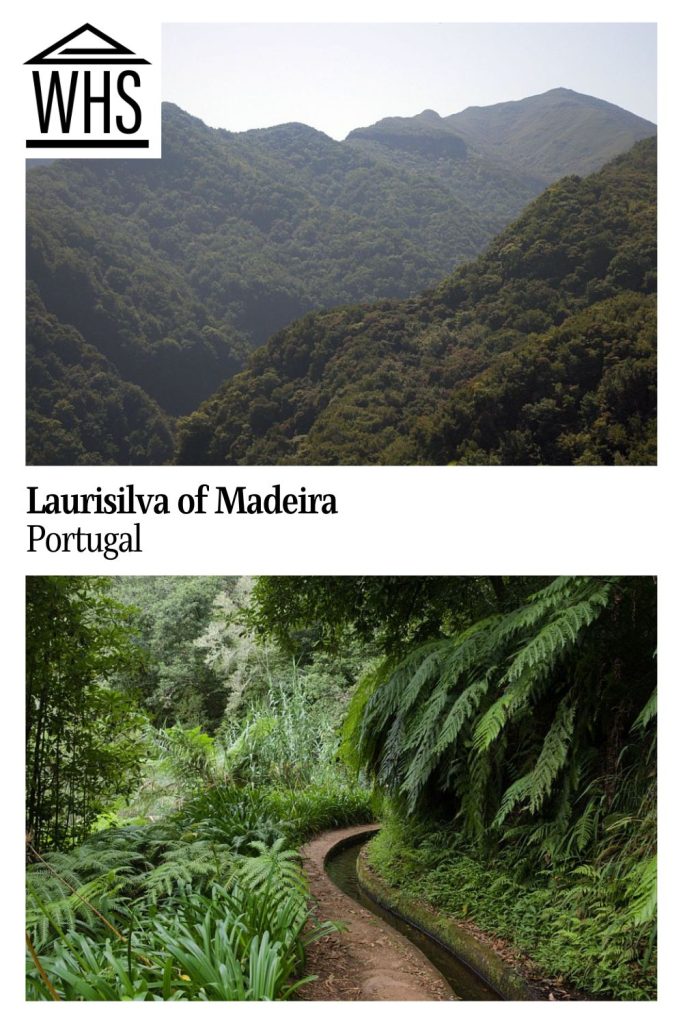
column 151, row 281
column 558, row 132
column 546, row 136
column 540, row 351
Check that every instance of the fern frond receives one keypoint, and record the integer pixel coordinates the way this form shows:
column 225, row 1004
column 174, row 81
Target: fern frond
column 648, row 713
column 274, row 868
column 644, row 891
column 536, row 786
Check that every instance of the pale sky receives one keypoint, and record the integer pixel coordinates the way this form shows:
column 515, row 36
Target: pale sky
column 339, row 77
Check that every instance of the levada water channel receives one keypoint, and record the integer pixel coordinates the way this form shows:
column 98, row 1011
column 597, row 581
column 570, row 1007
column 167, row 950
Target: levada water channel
column 466, row 983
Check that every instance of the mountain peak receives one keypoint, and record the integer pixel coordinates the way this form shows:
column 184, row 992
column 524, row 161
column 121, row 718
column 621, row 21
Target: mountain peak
column 556, row 132
column 428, row 136
column 429, row 115
column 561, row 90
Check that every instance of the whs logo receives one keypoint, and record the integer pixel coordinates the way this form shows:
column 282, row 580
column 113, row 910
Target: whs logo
column 92, row 96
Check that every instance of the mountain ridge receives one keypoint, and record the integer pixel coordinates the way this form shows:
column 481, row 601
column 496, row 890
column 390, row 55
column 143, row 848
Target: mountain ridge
column 154, row 279
column 419, row 380
column 503, row 131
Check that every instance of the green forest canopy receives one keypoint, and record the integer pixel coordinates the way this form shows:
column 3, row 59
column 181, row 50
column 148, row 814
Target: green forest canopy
column 542, row 351
column 505, row 724
column 150, row 282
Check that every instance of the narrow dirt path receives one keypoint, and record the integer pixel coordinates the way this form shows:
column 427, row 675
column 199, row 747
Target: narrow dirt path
column 369, row 961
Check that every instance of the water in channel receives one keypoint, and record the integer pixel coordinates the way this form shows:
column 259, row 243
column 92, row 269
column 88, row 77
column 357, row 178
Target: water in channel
column 341, row 867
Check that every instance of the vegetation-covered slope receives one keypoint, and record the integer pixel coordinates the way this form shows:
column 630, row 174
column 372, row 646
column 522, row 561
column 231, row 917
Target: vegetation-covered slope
column 516, row 753
column 162, row 862
column 542, row 137
column 540, row 351
column 557, row 132
column 179, row 749
column 172, row 271
column 79, row 408
column 165, row 274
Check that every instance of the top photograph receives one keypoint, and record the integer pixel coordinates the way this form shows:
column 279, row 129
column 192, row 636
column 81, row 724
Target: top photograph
column 376, row 244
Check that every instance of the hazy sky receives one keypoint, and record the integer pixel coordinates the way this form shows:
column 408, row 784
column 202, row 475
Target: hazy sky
column 339, row 77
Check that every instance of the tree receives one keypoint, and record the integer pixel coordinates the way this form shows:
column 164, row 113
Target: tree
column 179, row 684
column 392, row 611
column 83, row 738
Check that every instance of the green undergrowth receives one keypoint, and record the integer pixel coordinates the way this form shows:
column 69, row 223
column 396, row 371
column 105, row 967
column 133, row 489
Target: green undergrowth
column 209, row 903
column 576, row 924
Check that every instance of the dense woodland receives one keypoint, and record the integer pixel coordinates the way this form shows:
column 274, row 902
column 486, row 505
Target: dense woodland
column 186, row 734
column 151, row 282
column 540, row 351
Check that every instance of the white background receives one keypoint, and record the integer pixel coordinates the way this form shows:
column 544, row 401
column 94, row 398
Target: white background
column 404, row 520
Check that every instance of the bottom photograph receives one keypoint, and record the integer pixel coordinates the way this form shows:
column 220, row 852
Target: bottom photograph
column 341, row 788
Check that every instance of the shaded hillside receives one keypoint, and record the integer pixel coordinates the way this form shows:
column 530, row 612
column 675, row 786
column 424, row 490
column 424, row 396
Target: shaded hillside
column 540, row 351
column 79, row 409
column 428, row 146
column 541, row 137
column 173, row 270
column 166, row 274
